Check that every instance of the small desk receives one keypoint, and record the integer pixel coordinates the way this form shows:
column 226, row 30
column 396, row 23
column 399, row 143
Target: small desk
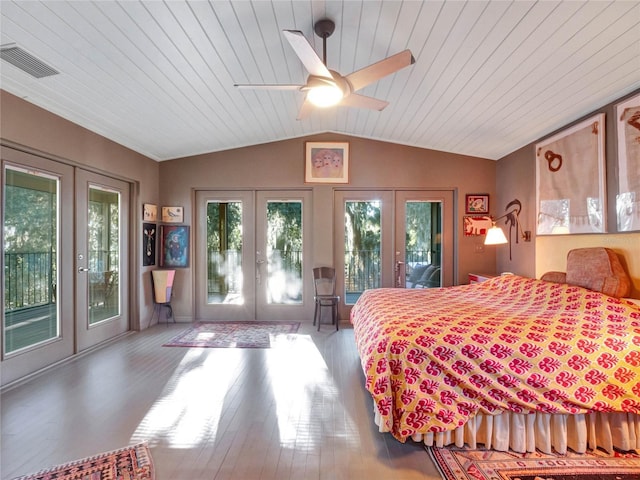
column 479, row 277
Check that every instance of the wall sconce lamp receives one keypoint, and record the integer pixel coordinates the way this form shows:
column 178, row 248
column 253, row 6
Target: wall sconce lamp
column 496, row 236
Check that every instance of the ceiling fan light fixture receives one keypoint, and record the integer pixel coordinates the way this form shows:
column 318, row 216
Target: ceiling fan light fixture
column 325, row 95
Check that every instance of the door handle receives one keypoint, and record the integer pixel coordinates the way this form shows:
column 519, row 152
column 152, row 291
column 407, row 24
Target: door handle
column 399, row 275
column 83, row 269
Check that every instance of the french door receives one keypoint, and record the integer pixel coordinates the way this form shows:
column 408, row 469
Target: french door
column 52, row 306
column 102, row 206
column 382, row 236
column 252, row 252
column 424, row 238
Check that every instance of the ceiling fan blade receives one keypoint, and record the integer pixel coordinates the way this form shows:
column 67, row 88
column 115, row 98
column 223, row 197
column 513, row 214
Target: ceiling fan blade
column 267, row 86
column 376, row 71
column 305, row 109
column 361, row 101
column 306, row 53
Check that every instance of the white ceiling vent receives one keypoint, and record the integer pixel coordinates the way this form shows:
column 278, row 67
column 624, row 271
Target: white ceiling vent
column 26, row 62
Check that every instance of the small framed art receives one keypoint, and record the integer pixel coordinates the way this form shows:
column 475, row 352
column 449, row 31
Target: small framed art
column 149, row 235
column 326, row 162
column 172, row 215
column 174, row 246
column 477, row 203
column 476, row 225
column 149, row 212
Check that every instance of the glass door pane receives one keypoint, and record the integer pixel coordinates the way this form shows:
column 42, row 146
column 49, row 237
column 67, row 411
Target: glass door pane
column 363, row 247
column 283, row 267
column 424, row 240
column 224, row 253
column 103, row 254
column 30, row 259
column 363, row 244
column 422, row 247
column 284, row 252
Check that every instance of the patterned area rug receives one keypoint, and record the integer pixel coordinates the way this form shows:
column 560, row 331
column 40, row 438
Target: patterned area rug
column 234, row 334
column 129, row 463
column 460, row 464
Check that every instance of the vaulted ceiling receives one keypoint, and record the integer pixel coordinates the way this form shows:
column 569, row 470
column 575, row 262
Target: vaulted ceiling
column 158, row 76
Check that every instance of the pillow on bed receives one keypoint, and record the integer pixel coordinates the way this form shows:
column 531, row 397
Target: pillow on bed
column 596, row 268
column 417, row 272
column 555, row 277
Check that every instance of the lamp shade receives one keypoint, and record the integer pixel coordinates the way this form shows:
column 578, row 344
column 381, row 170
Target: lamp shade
column 495, row 236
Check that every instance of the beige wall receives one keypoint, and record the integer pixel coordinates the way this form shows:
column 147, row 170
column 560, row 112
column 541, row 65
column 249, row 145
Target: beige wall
column 515, row 178
column 25, row 126
column 553, row 252
column 373, row 165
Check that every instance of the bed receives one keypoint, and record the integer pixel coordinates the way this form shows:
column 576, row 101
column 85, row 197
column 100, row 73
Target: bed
column 511, row 363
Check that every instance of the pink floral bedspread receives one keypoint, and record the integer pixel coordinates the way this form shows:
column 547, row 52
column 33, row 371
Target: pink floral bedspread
column 433, row 358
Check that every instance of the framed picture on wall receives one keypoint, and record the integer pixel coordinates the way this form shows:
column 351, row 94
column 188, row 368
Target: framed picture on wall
column 476, row 203
column 326, row 162
column 149, row 234
column 149, row 212
column 628, row 194
column 172, row 215
column 475, row 225
column 570, row 180
column 174, row 246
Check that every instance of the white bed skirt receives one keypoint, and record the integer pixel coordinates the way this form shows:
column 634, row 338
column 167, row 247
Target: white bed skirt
column 543, row 431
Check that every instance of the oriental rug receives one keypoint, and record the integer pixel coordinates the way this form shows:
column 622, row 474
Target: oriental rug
column 129, row 463
column 234, row 334
column 461, row 464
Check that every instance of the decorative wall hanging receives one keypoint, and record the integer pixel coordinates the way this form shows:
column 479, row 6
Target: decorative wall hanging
column 149, row 231
column 476, row 225
column 149, row 212
column 570, row 180
column 628, row 195
column 172, row 215
column 174, row 246
column 477, row 203
column 326, row 162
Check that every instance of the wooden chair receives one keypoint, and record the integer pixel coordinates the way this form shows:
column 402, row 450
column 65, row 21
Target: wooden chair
column 162, row 290
column 324, row 281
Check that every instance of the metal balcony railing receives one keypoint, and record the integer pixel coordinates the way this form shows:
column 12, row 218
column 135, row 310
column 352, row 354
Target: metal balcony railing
column 30, row 277
column 29, row 280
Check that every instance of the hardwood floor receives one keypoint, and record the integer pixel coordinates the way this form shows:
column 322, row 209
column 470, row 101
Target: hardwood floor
column 295, row 411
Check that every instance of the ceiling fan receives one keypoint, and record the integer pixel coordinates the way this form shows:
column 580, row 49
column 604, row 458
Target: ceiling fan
column 326, row 87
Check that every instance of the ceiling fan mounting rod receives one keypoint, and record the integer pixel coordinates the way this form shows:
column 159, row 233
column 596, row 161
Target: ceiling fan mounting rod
column 324, row 28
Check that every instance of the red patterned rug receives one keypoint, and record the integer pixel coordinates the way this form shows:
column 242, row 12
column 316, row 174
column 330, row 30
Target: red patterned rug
column 461, row 464
column 234, row 334
column 129, row 463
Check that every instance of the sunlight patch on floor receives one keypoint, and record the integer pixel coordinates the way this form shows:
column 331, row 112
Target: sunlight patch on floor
column 306, row 396
column 187, row 412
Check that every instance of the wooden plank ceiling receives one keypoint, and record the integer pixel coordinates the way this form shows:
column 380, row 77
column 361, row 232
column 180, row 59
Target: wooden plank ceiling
column 158, row 76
